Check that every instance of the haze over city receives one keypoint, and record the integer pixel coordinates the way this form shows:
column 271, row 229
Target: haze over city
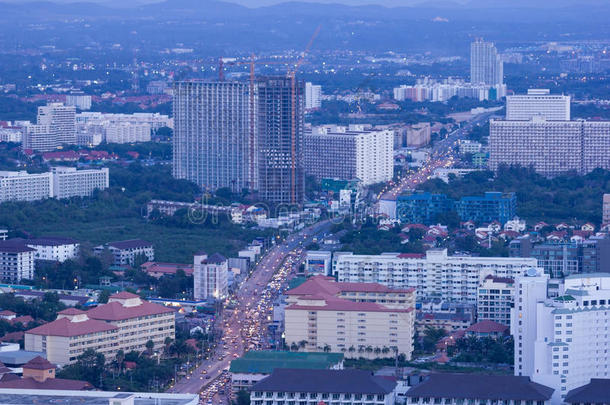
column 323, row 202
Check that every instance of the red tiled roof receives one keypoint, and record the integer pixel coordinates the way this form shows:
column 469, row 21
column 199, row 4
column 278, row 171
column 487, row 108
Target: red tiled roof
column 65, row 327
column 339, row 304
column 12, row 337
column 115, row 311
column 124, row 295
column 71, row 311
column 39, row 363
column 49, row 384
column 22, row 319
column 6, row 312
column 130, row 244
column 487, row 326
column 328, row 286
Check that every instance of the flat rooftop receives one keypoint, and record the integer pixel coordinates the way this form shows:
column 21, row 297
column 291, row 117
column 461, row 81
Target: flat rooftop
column 28, row 397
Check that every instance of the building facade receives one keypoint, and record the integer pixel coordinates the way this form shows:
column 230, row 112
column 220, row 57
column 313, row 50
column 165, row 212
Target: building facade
column 69, row 182
column 538, row 102
column 210, row 276
column 313, row 96
column 495, row 299
column 562, row 342
column 550, row 147
column 213, row 139
column 126, row 252
column 333, row 387
column 486, row 66
column 357, row 319
column 125, row 323
column 61, row 121
column 24, row 186
column 349, row 153
column 281, row 173
column 16, row 262
column 433, row 275
column 53, row 248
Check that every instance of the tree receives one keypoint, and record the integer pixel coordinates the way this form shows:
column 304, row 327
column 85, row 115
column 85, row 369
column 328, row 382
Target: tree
column 103, row 297
column 431, row 337
column 89, row 366
column 242, row 398
column 120, row 357
column 150, row 345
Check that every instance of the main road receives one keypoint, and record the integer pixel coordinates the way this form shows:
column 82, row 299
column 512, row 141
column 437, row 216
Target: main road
column 245, row 326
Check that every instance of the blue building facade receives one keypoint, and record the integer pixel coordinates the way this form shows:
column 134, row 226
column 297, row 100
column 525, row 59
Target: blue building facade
column 493, row 206
column 424, row 207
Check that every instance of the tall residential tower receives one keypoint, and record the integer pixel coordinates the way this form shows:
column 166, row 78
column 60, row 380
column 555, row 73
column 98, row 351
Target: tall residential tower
column 486, row 66
column 211, row 134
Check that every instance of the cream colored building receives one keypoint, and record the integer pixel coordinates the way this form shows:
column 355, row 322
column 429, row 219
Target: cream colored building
column 357, row 319
column 138, row 321
column 67, row 337
column 125, row 323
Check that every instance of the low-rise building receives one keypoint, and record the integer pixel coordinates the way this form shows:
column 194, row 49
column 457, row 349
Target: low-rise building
column 69, row 182
column 458, row 389
column 39, row 374
column 73, row 332
column 348, row 387
column 58, row 249
column 597, row 392
column 158, row 269
column 125, row 323
column 125, row 252
column 357, row 319
column 137, row 320
column 253, row 366
column 495, row 299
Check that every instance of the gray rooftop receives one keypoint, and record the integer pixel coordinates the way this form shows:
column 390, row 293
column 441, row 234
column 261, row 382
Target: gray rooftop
column 324, row 381
column 26, row 397
column 483, row 387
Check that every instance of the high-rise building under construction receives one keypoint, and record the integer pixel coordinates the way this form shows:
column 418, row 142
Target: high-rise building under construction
column 280, row 104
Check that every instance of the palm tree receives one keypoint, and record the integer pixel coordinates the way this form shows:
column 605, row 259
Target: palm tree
column 302, row 344
column 120, row 357
column 168, row 342
column 326, row 348
column 369, row 349
column 351, row 349
column 294, row 347
column 377, row 350
column 150, row 345
column 385, row 350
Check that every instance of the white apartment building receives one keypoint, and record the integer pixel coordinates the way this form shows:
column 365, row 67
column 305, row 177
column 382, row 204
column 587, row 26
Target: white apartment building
column 69, row 182
column 349, row 153
column 23, row 186
column 550, row 147
column 125, row 323
column 562, row 342
column 313, row 96
column 155, row 120
column 357, row 319
column 61, row 121
column 39, row 138
column 11, row 134
column 210, row 276
column 126, row 132
column 318, row 262
column 16, row 262
column 495, row 299
column 60, row 182
column 433, row 275
column 53, row 248
column 606, row 209
column 538, row 102
column 126, row 252
column 468, row 146
column 79, row 100
column 418, row 135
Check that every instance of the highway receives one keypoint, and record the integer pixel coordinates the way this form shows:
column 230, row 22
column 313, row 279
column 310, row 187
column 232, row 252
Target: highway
column 442, row 156
column 245, row 327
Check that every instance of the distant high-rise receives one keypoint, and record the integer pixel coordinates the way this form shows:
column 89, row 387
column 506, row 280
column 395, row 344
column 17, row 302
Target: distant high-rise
column 486, row 66
column 538, row 102
column 280, row 139
column 211, row 134
column 55, row 126
column 313, row 96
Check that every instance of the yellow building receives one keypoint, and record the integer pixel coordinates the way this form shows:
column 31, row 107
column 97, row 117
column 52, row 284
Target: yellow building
column 358, row 319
